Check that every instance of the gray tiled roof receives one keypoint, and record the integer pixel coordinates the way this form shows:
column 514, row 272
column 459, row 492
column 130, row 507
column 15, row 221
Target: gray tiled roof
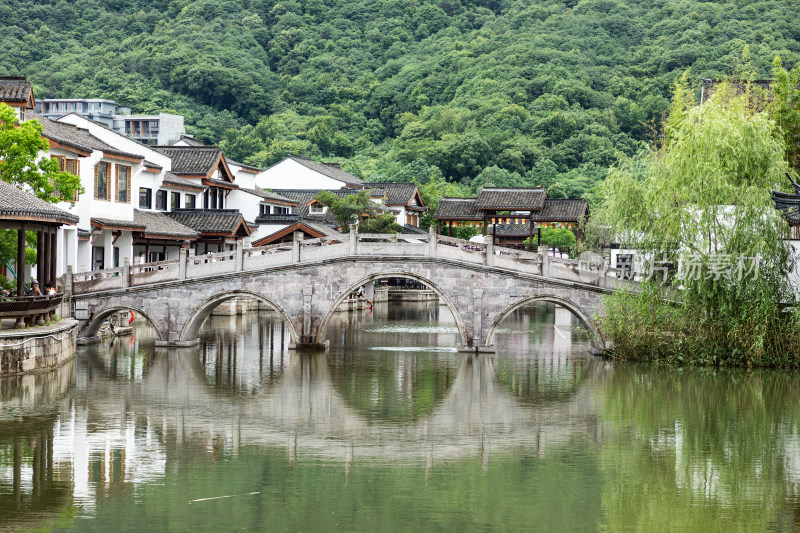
column 76, row 137
column 277, row 219
column 304, row 196
column 236, row 163
column 323, row 229
column 191, row 141
column 396, row 193
column 115, row 223
column 196, row 160
column 161, row 225
column 788, row 205
column 171, row 180
column 208, row 220
column 332, row 170
column 152, row 165
column 557, row 210
column 223, row 183
column 14, row 89
column 509, row 198
column 457, row 209
column 20, row 205
column 408, row 229
column 268, row 195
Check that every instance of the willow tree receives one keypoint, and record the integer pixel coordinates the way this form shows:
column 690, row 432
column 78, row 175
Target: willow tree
column 701, row 199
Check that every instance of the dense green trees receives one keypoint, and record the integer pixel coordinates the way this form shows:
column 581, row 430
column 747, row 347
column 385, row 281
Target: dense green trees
column 462, row 85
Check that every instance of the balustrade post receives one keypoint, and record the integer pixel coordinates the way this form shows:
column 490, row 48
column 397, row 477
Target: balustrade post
column 489, row 251
column 433, row 241
column 240, row 257
column 353, row 239
column 307, row 292
column 477, row 312
column 126, row 273
column 298, row 239
column 545, row 257
column 68, row 283
column 182, row 263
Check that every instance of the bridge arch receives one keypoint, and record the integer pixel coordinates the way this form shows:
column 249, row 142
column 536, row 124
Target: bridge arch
column 98, row 317
column 197, row 317
column 596, row 336
column 323, row 325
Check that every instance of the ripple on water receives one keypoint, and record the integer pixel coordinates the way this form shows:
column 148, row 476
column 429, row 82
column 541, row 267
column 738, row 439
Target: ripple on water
column 413, row 349
column 411, row 328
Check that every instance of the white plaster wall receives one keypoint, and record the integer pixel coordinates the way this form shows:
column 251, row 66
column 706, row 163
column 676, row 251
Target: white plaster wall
column 67, row 249
column 246, row 203
column 289, row 174
column 119, row 141
column 84, row 256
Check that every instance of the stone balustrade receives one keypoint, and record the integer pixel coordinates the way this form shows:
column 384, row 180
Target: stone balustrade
column 242, row 259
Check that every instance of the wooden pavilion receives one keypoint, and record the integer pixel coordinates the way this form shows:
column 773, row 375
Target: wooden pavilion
column 21, row 211
column 511, row 214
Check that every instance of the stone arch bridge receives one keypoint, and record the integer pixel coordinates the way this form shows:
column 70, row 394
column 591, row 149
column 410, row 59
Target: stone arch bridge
column 305, row 281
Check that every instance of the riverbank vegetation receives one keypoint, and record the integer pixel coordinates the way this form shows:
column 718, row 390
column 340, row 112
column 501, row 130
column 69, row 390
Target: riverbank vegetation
column 700, row 201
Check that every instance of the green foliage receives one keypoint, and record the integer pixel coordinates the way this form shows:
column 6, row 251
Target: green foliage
column 358, row 208
column 462, row 86
column 785, row 110
column 557, row 237
column 20, row 164
column 704, row 194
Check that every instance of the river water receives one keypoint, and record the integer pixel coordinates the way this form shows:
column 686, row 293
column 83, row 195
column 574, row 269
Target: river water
column 392, row 429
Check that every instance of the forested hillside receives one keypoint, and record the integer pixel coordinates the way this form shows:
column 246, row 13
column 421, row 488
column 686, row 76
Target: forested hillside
column 540, row 92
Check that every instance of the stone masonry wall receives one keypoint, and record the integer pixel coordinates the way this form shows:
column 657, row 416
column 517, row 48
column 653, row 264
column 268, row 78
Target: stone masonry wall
column 29, row 350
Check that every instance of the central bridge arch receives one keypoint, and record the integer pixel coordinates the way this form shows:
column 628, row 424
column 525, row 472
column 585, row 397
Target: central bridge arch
column 323, row 326
column 192, row 326
column 595, row 334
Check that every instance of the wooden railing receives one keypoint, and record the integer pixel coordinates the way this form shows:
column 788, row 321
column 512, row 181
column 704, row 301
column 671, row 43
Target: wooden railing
column 30, row 309
column 190, row 266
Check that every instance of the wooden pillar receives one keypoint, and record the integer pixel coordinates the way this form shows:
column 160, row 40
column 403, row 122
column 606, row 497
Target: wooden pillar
column 41, row 246
column 44, row 275
column 450, row 229
column 21, row 260
column 53, row 256
column 530, row 232
column 484, row 224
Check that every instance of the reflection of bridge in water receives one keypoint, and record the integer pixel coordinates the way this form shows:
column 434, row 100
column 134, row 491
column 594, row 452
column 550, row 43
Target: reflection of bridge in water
column 109, row 431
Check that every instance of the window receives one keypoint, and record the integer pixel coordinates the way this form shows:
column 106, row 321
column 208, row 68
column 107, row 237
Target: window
column 174, row 200
column 101, row 189
column 145, row 198
column 123, row 183
column 263, row 209
column 154, row 126
column 316, row 208
column 161, row 200
column 280, row 210
column 189, row 201
column 67, row 165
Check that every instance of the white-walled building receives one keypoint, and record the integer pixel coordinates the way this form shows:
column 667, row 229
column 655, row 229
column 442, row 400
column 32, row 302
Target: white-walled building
column 298, row 172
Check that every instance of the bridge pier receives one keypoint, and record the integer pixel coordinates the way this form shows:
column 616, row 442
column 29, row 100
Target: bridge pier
column 177, row 343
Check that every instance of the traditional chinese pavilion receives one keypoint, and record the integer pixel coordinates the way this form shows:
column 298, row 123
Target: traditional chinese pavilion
column 511, row 214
